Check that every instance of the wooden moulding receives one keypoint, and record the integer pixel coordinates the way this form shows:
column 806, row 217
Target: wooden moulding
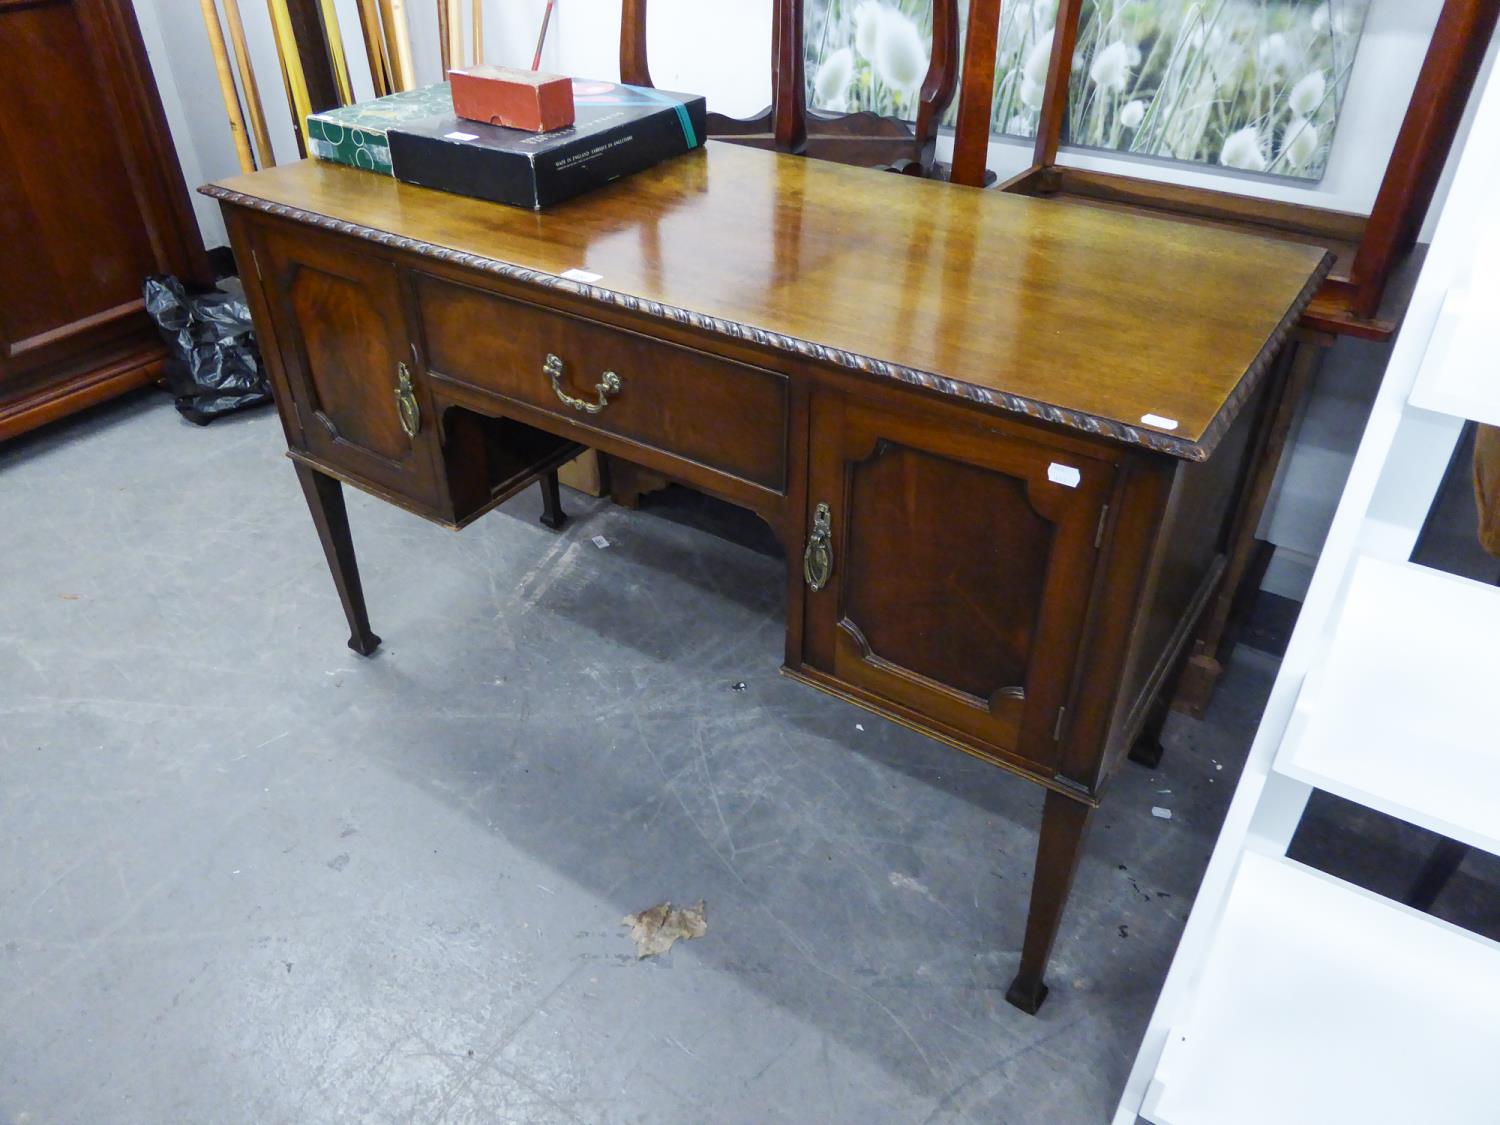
column 1111, row 429
column 138, row 367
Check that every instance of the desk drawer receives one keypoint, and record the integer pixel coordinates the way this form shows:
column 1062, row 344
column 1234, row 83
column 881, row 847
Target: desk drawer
column 726, row 416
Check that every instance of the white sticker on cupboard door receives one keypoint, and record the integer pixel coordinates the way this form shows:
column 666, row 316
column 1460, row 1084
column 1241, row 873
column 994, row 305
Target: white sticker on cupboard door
column 1064, row 475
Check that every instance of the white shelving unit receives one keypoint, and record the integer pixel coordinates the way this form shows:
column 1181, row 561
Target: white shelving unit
column 1295, row 997
column 1463, row 377
column 1398, row 1002
column 1400, row 713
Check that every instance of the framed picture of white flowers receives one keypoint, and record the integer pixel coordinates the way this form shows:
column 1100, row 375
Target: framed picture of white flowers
column 1248, row 85
column 867, row 55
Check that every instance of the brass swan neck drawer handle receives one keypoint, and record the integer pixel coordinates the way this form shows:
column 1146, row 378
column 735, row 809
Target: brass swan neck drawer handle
column 817, row 560
column 608, row 385
column 406, row 402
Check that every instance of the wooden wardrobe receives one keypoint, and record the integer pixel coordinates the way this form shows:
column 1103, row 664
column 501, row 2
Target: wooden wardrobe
column 91, row 201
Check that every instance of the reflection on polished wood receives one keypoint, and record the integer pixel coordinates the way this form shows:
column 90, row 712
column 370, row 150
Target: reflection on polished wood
column 932, row 394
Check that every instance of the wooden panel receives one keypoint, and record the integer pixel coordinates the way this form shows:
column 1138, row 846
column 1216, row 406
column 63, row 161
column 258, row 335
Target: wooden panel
column 341, row 326
column 91, row 201
column 348, row 351
column 728, row 416
column 961, row 571
column 1084, row 317
column 69, row 267
column 970, row 553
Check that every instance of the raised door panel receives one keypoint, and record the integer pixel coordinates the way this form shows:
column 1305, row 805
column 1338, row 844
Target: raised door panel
column 346, row 347
column 961, row 564
column 943, row 531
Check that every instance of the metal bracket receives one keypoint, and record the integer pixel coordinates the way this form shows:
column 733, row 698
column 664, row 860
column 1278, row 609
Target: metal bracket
column 817, row 560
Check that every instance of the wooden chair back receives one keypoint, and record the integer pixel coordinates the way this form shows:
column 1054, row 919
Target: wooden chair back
column 1353, row 294
column 314, row 66
column 859, row 138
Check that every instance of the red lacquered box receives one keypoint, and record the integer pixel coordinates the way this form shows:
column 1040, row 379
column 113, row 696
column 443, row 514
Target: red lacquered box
column 517, row 99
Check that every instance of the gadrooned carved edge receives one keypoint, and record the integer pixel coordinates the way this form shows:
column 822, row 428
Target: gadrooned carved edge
column 1002, row 400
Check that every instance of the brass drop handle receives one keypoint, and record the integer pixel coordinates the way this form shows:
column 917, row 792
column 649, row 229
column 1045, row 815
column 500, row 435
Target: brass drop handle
column 817, row 560
column 608, row 385
column 406, row 402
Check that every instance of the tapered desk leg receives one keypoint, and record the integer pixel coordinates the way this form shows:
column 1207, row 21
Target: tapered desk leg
column 1147, row 749
column 1058, row 848
column 325, row 499
column 552, row 513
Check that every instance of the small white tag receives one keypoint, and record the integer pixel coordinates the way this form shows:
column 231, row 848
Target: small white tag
column 601, row 542
column 1161, row 813
column 581, row 275
column 1065, row 475
column 460, row 136
column 1159, row 422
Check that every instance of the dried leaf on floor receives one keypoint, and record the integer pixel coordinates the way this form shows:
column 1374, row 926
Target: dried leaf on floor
column 656, row 929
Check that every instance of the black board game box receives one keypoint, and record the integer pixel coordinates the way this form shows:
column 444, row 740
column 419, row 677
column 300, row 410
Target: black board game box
column 619, row 130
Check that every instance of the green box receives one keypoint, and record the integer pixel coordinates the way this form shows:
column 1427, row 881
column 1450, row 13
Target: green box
column 355, row 134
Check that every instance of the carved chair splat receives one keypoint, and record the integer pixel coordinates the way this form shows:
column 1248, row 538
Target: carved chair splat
column 853, row 138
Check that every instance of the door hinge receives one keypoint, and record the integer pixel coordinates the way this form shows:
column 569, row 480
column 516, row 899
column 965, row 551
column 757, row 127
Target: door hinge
column 1061, row 726
column 1099, row 531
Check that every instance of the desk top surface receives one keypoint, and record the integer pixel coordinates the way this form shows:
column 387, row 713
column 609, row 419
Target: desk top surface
column 1086, row 318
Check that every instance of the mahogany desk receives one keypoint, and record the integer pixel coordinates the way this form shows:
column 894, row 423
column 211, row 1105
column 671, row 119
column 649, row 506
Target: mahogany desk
column 999, row 439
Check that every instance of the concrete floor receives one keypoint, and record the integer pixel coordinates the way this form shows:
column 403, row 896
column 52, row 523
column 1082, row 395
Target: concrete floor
column 248, row 876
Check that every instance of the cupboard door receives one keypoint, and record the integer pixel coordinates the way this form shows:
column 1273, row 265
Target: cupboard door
column 350, row 361
column 949, row 571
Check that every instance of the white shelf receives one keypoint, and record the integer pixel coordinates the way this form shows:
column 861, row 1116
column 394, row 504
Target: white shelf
column 1400, row 716
column 1294, row 997
column 1319, row 1002
column 1460, row 374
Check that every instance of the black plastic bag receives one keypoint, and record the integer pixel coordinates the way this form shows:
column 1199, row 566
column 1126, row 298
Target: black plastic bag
column 213, row 364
